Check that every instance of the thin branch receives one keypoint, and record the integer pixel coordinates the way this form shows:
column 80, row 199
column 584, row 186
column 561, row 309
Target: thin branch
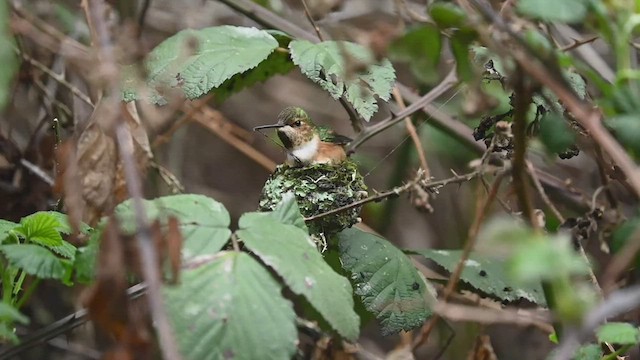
column 484, row 315
column 307, row 13
column 577, row 43
column 207, row 118
column 482, row 210
column 59, row 78
column 411, row 129
column 59, row 327
column 448, row 83
column 417, row 181
column 543, row 195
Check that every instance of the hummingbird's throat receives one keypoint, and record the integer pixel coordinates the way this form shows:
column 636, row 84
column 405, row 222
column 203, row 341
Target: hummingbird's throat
column 306, row 152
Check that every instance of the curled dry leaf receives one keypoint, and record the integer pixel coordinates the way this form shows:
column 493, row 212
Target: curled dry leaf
column 97, row 159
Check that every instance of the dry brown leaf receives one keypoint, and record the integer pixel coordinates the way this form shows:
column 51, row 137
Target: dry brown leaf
column 97, row 159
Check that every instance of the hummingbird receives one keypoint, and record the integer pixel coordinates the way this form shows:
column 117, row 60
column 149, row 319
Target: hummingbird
column 307, row 143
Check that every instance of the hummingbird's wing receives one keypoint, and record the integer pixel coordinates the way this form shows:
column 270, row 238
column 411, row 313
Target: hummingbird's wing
column 328, row 135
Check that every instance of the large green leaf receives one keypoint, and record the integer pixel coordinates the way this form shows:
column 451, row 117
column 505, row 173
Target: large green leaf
column 484, row 275
column 331, row 63
column 34, row 260
column 204, row 222
column 619, row 333
column 228, row 306
column 197, row 61
column 569, row 11
column 277, row 62
column 7, row 55
column 385, row 279
column 290, row 251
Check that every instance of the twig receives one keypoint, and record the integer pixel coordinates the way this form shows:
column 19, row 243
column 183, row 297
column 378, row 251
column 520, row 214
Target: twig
column 578, row 43
column 411, row 129
column 59, row 78
column 307, row 13
column 108, row 70
column 482, row 210
column 206, row 120
column 34, row 169
column 59, row 327
column 621, row 261
column 448, row 83
column 484, row 315
column 538, row 186
column 399, row 190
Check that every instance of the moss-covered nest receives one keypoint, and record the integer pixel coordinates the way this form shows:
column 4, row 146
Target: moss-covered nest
column 318, row 188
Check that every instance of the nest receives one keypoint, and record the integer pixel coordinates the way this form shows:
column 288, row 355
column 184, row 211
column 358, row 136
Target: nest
column 318, row 188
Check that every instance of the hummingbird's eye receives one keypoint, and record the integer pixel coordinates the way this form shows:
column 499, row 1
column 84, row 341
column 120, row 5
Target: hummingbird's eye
column 297, row 123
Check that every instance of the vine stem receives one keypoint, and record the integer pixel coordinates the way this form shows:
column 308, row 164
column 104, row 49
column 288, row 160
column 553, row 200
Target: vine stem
column 481, row 212
column 417, row 181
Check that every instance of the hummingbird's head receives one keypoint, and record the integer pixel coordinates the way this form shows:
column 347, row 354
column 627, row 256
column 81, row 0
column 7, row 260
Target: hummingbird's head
column 295, row 128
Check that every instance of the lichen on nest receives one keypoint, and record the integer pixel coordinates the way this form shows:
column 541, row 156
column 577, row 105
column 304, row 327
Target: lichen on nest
column 318, row 188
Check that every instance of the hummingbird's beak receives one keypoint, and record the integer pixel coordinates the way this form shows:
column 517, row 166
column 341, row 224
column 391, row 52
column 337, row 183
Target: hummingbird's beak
column 272, row 126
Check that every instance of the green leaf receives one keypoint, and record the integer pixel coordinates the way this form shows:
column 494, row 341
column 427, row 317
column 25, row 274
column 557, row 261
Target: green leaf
column 5, row 228
column 204, row 222
column 292, row 254
column 568, row 11
column 64, row 226
column 421, row 48
column 620, row 333
column 40, row 228
column 196, row 61
column 555, row 133
column 34, row 260
column 276, row 63
column 11, row 314
column 7, row 55
column 589, row 352
column 228, row 306
column 460, row 47
column 447, row 15
column 545, row 258
column 288, row 212
column 627, row 130
column 485, row 275
column 85, row 261
column 385, row 279
column 328, row 64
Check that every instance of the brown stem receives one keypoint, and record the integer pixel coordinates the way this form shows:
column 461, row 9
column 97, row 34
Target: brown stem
column 481, row 212
column 411, row 129
column 399, row 190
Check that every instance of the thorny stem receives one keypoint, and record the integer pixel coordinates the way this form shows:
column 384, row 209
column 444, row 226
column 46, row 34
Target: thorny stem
column 481, row 211
column 399, row 190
